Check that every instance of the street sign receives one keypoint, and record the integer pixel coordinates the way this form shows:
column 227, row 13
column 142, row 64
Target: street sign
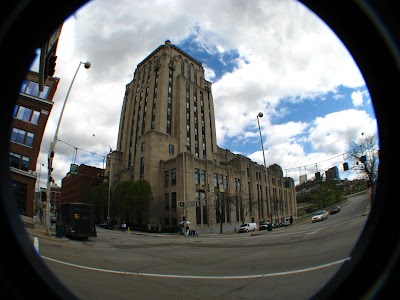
column 73, row 169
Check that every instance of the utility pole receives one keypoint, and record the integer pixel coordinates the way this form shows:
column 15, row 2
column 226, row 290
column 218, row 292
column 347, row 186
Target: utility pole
column 53, row 148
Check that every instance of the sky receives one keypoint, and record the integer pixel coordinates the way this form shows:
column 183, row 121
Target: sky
column 271, row 56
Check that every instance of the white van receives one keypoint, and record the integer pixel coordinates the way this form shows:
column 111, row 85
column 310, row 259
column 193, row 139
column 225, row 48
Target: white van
column 248, row 227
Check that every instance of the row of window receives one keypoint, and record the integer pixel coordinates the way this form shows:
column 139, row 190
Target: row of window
column 19, row 161
column 26, row 114
column 167, row 175
column 32, row 88
column 220, row 180
column 22, row 137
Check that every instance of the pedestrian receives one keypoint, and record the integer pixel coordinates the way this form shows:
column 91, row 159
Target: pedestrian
column 291, row 220
column 41, row 216
column 187, row 231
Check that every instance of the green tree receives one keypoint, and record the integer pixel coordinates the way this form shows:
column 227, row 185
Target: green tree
column 132, row 199
column 98, row 197
column 328, row 193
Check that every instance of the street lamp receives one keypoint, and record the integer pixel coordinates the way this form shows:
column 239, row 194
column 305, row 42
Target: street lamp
column 87, row 65
column 260, row 115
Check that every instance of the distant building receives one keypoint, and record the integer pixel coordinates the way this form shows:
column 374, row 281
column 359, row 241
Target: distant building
column 302, row 178
column 332, row 174
column 30, row 118
column 76, row 187
column 167, row 136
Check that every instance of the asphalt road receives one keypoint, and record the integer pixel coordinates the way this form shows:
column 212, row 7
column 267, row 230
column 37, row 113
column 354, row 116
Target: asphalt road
column 287, row 263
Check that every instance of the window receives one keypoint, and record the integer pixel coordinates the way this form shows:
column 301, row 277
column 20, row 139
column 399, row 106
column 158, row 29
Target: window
column 166, row 201
column 173, row 201
column 171, row 149
column 25, row 163
column 32, row 88
column 35, row 117
column 215, row 180
column 143, row 147
column 196, row 176
column 141, row 168
column 29, row 139
column 15, row 160
column 173, row 177
column 18, row 135
column 203, row 177
column 24, row 114
column 166, row 178
column 18, row 163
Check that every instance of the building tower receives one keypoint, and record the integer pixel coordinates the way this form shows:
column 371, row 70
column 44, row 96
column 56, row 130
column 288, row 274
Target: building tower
column 167, row 136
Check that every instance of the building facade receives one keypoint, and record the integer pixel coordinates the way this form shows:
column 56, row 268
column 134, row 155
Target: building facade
column 167, row 136
column 30, row 118
column 76, row 187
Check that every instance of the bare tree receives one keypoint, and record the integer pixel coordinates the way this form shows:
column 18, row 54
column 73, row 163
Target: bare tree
column 246, row 206
column 222, row 204
column 365, row 152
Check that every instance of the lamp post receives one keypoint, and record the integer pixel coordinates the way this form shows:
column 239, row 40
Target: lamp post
column 260, row 115
column 53, row 147
column 109, row 188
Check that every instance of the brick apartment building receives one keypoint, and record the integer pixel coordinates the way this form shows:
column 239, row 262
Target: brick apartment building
column 31, row 114
column 76, row 187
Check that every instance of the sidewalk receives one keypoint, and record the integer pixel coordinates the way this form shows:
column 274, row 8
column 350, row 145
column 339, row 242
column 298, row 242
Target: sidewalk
column 39, row 231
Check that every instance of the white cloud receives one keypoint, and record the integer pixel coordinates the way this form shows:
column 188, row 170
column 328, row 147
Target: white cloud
column 285, row 51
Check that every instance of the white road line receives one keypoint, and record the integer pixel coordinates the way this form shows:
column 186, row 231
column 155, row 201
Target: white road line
column 202, row 277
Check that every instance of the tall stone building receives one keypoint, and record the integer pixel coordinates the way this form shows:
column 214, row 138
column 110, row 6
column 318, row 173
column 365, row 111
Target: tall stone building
column 167, row 136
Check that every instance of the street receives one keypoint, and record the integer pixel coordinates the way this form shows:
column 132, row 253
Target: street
column 261, row 265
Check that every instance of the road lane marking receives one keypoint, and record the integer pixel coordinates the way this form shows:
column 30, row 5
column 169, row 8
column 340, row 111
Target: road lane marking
column 202, row 277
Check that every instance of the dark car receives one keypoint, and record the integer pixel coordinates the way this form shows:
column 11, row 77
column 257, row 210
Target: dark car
column 106, row 225
column 334, row 210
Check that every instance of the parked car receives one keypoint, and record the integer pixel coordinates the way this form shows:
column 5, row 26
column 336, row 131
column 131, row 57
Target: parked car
column 248, row 227
column 334, row 210
column 264, row 226
column 106, row 225
column 320, row 216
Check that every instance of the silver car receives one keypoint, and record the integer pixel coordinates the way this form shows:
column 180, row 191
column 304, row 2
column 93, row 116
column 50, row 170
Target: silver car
column 320, row 216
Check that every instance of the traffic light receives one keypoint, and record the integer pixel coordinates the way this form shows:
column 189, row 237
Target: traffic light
column 100, row 175
column 183, row 218
column 51, row 65
column 51, row 179
column 345, row 166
